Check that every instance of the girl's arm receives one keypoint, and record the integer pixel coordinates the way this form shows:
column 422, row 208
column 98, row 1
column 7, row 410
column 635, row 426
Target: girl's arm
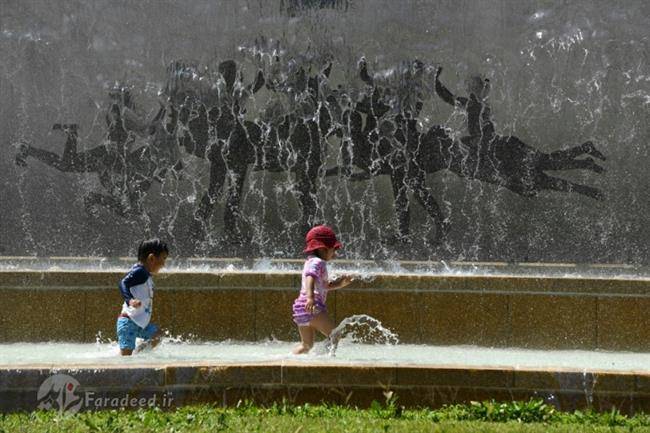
column 340, row 282
column 309, row 305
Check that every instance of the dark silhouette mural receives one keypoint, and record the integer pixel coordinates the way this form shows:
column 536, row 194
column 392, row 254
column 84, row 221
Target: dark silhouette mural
column 294, row 7
column 205, row 111
column 211, row 112
column 126, row 169
column 414, row 137
column 507, row 160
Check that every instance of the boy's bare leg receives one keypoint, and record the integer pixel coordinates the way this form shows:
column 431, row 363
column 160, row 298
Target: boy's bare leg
column 306, row 340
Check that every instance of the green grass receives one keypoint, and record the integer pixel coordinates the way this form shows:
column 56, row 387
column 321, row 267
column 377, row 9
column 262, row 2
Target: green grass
column 531, row 416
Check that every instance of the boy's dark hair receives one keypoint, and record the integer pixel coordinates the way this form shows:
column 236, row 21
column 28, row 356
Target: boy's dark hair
column 152, row 246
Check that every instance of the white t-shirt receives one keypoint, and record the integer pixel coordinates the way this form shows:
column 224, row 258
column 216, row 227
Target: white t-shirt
column 138, row 284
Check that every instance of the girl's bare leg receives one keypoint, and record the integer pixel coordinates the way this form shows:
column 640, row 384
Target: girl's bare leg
column 306, row 340
column 325, row 325
column 321, row 323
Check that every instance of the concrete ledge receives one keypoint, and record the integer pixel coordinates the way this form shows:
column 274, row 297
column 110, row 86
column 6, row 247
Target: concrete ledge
column 297, row 382
column 284, row 280
column 529, row 312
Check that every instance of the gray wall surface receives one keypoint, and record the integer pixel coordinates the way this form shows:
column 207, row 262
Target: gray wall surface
column 562, row 73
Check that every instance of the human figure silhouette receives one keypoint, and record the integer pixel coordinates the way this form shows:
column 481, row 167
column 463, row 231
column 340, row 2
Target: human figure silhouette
column 293, row 7
column 479, row 121
column 125, row 173
column 385, row 144
column 519, row 165
column 306, row 128
column 212, row 117
column 392, row 144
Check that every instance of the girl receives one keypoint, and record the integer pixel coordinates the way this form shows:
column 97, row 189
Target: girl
column 309, row 310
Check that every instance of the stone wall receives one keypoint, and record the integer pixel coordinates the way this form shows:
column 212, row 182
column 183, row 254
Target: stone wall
column 358, row 385
column 527, row 312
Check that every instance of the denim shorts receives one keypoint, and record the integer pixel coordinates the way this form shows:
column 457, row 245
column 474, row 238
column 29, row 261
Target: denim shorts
column 128, row 331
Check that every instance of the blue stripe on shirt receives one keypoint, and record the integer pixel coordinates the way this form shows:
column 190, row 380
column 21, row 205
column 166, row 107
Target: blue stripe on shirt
column 137, row 275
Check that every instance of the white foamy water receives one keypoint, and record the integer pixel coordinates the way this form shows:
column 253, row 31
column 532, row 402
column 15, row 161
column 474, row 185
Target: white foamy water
column 365, row 270
column 66, row 354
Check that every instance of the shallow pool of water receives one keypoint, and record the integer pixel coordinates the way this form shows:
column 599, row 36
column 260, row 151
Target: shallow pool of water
column 171, row 351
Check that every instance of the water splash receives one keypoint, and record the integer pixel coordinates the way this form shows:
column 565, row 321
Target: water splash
column 101, row 340
column 588, row 384
column 360, row 328
column 169, row 338
column 364, row 276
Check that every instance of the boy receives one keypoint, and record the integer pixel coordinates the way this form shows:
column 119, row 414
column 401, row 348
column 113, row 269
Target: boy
column 137, row 290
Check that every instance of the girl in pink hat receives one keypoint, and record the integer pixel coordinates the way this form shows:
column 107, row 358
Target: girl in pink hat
column 309, row 309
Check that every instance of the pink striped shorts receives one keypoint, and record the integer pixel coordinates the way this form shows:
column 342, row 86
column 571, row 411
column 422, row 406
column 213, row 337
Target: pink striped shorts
column 301, row 316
